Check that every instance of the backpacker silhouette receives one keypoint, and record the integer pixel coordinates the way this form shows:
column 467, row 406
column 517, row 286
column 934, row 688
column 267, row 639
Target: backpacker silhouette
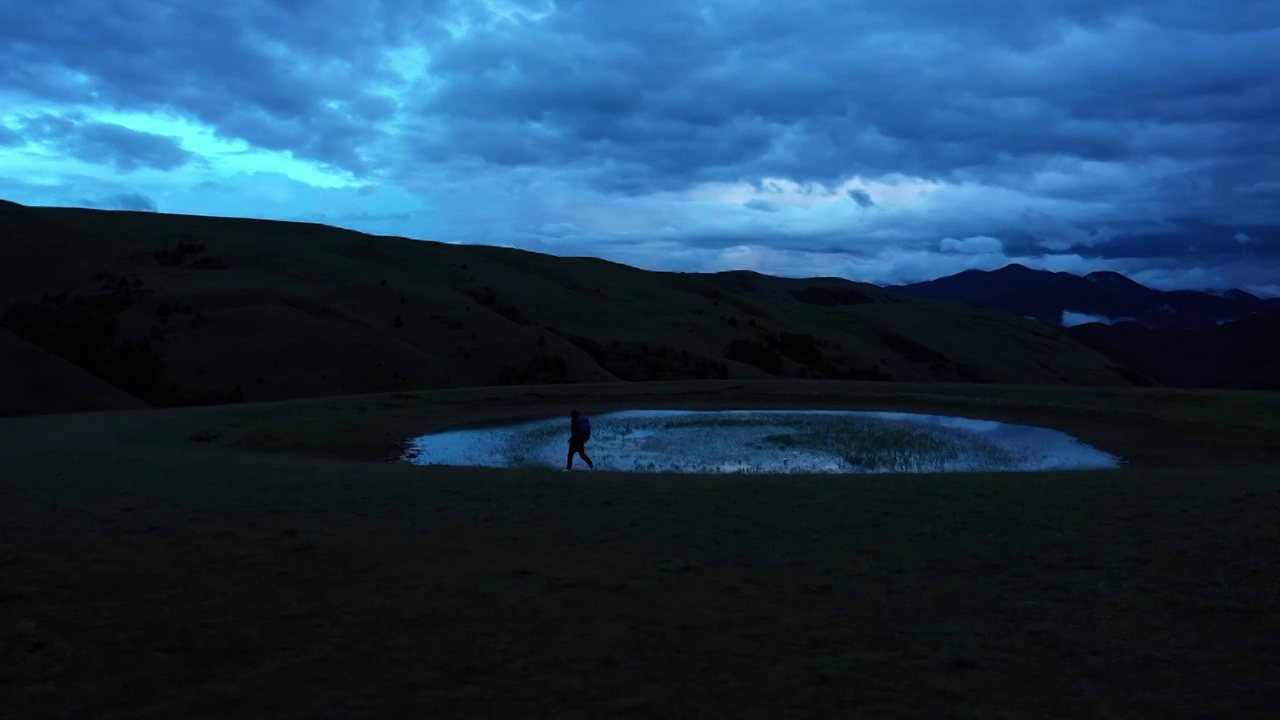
column 579, row 434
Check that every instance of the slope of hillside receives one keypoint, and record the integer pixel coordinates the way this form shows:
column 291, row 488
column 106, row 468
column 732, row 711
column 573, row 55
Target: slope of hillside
column 33, row 381
column 36, row 251
column 181, row 310
column 962, row 341
column 1047, row 295
column 1240, row 354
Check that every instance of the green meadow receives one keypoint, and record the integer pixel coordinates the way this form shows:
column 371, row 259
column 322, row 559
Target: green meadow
column 268, row 560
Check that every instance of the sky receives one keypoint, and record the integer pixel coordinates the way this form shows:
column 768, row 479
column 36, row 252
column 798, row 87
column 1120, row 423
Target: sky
column 886, row 142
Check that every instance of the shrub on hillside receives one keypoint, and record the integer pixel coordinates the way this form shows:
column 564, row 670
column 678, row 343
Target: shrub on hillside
column 209, row 263
column 939, row 364
column 486, row 297
column 832, row 297
column 640, row 361
column 84, row 329
column 754, row 353
column 801, row 347
column 176, row 255
column 543, row 368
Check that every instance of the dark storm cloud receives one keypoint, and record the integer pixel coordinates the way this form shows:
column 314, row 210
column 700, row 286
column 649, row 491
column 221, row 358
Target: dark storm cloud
column 862, row 197
column 1192, row 240
column 281, row 74
column 634, row 98
column 123, row 201
column 105, row 143
column 676, row 92
column 132, row 201
column 1091, row 128
column 9, row 138
column 1161, row 117
column 761, row 205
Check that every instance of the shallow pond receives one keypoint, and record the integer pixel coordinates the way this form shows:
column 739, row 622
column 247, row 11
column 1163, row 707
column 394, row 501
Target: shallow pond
column 767, row 441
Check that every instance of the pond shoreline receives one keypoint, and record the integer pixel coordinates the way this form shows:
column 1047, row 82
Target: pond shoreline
column 1149, row 428
column 754, row 441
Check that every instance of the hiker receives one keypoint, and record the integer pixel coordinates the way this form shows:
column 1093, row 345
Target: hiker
column 579, row 434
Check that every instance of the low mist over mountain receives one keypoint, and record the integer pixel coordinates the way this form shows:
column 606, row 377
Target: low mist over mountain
column 1104, row 297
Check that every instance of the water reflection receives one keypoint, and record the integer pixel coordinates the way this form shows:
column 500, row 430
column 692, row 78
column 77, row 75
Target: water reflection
column 769, row 441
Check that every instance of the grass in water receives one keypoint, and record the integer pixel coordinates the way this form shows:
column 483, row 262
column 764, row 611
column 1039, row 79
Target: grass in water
column 891, row 445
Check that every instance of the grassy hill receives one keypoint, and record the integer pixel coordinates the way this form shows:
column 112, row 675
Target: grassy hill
column 187, row 310
column 36, row 381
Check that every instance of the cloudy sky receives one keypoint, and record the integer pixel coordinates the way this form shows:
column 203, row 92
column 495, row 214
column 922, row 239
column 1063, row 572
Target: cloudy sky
column 880, row 141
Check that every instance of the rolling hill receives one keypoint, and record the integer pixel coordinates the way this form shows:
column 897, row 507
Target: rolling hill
column 33, row 381
column 181, row 310
column 1046, row 296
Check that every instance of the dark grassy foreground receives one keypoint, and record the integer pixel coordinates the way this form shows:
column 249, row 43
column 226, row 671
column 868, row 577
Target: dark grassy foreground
column 147, row 575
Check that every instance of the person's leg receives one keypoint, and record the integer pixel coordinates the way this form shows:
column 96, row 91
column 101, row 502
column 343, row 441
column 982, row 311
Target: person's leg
column 580, row 449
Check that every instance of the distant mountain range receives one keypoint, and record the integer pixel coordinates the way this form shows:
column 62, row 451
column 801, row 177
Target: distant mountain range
column 1184, row 338
column 1061, row 298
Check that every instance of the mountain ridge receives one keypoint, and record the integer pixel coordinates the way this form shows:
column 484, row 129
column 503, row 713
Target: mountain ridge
column 182, row 310
column 1047, row 295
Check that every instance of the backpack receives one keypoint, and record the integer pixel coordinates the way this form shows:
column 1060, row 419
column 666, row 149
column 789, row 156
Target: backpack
column 584, row 427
